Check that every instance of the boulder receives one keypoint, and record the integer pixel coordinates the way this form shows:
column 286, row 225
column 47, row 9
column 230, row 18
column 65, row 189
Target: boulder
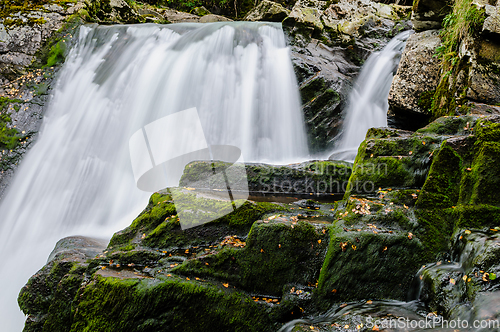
column 417, row 76
column 304, row 179
column 268, row 11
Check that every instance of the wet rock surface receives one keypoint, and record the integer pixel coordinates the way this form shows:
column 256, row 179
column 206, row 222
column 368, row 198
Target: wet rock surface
column 329, row 43
column 417, row 76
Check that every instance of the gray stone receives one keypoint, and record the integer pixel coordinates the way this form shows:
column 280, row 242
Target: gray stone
column 492, row 22
column 175, row 16
column 77, row 247
column 210, row 18
column 418, row 72
column 268, row 11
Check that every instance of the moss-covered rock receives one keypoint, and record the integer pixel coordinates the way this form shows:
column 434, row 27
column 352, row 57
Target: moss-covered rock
column 164, row 304
column 313, row 177
column 277, row 253
column 369, row 264
column 48, row 295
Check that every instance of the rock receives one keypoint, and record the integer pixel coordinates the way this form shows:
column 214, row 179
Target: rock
column 47, row 294
column 77, row 247
column 395, row 159
column 417, row 77
column 213, row 18
column 268, row 11
column 112, row 11
column 483, row 109
column 324, row 75
column 145, row 12
column 317, row 177
column 327, row 56
column 491, row 23
column 428, row 14
column 174, row 16
column 200, row 11
column 306, row 14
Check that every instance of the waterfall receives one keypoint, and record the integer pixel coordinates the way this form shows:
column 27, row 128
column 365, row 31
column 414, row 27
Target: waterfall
column 368, row 105
column 77, row 178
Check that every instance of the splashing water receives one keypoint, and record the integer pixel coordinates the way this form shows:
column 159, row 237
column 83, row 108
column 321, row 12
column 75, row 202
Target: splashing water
column 368, row 103
column 77, row 179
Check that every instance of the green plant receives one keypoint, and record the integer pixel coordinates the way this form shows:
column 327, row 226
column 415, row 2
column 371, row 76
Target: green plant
column 460, row 26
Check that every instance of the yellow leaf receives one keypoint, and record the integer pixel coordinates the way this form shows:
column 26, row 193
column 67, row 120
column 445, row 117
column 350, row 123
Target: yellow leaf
column 452, row 281
column 467, row 232
column 369, row 302
column 225, row 285
column 464, row 278
column 319, row 241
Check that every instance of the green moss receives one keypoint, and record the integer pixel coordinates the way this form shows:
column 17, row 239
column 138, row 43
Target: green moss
column 56, row 54
column 485, row 173
column 276, row 253
column 158, row 226
column 441, row 188
column 49, row 294
column 425, row 100
column 434, row 229
column 477, row 216
column 449, row 125
column 109, row 304
column 464, row 22
column 10, row 138
column 364, row 265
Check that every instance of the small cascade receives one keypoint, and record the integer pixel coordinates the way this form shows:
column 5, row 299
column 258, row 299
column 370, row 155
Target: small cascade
column 368, row 103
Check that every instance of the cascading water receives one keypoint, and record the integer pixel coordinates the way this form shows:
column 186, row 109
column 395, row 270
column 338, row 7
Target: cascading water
column 368, row 103
column 78, row 179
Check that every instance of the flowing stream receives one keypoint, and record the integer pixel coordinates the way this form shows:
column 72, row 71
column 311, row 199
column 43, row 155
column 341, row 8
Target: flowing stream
column 368, row 105
column 77, row 178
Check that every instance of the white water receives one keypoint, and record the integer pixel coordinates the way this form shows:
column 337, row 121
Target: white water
column 77, row 179
column 368, row 103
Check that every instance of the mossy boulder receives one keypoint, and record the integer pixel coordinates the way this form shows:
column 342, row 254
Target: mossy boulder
column 47, row 294
column 164, row 304
column 369, row 264
column 313, row 177
column 158, row 226
column 276, row 253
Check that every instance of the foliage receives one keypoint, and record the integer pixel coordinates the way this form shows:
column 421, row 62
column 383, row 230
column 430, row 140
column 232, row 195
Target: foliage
column 460, row 26
column 9, row 137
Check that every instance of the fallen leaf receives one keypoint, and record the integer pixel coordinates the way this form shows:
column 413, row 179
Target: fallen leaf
column 410, row 236
column 369, row 302
column 343, row 246
column 492, row 276
column 354, row 247
column 464, row 278
column 319, row 241
column 225, row 285
column 452, row 281
column 375, row 328
column 334, row 291
column 467, row 232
